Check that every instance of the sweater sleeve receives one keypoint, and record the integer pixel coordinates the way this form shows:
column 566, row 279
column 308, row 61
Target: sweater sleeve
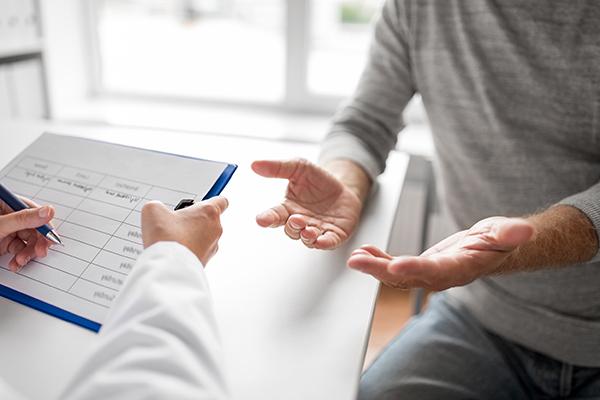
column 588, row 202
column 366, row 129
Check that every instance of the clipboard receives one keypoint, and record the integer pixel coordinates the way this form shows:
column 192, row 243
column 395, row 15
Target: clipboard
column 98, row 190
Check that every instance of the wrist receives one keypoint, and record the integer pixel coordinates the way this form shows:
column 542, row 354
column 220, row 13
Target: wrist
column 352, row 175
column 564, row 236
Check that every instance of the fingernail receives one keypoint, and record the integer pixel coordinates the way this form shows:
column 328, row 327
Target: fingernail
column 294, row 225
column 44, row 212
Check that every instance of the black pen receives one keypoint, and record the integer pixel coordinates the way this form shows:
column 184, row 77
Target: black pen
column 185, row 203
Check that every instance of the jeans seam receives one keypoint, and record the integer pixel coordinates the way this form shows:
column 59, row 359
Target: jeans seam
column 566, row 379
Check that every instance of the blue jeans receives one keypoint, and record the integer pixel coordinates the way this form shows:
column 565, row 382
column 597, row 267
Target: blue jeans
column 445, row 354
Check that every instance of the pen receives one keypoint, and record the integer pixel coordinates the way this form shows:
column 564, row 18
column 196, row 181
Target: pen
column 185, row 203
column 17, row 205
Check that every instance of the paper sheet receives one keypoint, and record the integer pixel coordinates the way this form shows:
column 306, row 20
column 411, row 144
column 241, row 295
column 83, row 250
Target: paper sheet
column 98, row 190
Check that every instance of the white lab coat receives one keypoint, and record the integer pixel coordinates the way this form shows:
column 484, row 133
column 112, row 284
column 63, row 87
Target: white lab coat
column 160, row 340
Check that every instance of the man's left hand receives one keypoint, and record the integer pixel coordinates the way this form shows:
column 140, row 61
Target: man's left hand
column 455, row 261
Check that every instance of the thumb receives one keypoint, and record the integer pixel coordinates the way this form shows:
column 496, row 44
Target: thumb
column 220, row 203
column 277, row 169
column 513, row 232
column 25, row 219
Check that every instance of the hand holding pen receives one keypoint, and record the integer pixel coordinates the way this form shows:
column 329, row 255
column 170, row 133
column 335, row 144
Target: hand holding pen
column 24, row 232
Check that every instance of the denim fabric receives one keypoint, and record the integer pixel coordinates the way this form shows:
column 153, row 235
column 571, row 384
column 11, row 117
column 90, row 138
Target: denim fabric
column 446, row 354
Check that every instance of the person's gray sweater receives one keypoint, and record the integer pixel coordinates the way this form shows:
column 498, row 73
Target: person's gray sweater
column 512, row 92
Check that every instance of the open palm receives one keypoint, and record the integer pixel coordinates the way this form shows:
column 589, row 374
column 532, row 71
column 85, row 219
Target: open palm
column 317, row 209
column 455, row 261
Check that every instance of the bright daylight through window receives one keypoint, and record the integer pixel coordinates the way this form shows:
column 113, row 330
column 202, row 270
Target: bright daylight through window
column 229, row 50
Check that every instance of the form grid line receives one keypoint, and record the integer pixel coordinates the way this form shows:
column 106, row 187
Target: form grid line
column 112, row 236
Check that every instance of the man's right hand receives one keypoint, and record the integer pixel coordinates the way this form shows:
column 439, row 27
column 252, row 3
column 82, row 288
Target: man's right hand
column 318, row 208
column 198, row 227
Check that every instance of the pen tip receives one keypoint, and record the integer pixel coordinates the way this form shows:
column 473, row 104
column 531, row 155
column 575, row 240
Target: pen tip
column 54, row 238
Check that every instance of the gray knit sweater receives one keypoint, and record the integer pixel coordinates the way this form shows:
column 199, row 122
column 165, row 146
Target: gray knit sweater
column 512, row 91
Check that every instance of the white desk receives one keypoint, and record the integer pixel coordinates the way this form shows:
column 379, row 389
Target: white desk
column 295, row 322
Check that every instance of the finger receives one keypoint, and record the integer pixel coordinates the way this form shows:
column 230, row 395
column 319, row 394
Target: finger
column 152, row 210
column 278, row 169
column 30, row 203
column 412, row 266
column 25, row 219
column 377, row 267
column 374, row 250
column 220, row 203
column 13, row 265
column 298, row 221
column 214, row 250
column 400, row 272
column 33, row 204
column 273, row 217
column 435, row 272
column 16, row 246
column 513, row 232
column 4, row 244
column 27, row 234
column 291, row 232
column 368, row 264
column 25, row 255
column 294, row 225
column 309, row 235
column 41, row 246
column 328, row 241
column 155, row 206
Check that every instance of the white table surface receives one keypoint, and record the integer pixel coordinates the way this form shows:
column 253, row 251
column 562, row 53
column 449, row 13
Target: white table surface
column 294, row 322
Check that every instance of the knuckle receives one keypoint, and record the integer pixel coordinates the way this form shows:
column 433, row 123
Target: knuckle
column 21, row 218
column 211, row 211
column 151, row 207
column 299, row 165
column 302, row 164
column 223, row 201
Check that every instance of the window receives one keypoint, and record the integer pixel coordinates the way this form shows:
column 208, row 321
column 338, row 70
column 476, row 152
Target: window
column 298, row 54
column 228, row 50
column 340, row 38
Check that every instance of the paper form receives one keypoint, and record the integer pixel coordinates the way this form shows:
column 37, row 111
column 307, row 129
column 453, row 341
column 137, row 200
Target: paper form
column 98, row 190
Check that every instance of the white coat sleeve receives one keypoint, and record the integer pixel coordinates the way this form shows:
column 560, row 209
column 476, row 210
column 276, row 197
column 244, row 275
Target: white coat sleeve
column 160, row 340
column 9, row 393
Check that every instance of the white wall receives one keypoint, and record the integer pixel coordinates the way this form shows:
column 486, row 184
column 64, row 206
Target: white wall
column 66, row 54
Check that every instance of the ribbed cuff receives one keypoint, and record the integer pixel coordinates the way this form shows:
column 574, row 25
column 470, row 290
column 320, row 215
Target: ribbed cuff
column 348, row 147
column 590, row 206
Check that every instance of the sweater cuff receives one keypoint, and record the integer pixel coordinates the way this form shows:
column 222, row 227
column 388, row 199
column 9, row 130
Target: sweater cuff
column 588, row 202
column 348, row 147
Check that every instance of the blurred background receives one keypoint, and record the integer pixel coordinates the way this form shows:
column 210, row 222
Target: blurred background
column 281, row 67
column 232, row 50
